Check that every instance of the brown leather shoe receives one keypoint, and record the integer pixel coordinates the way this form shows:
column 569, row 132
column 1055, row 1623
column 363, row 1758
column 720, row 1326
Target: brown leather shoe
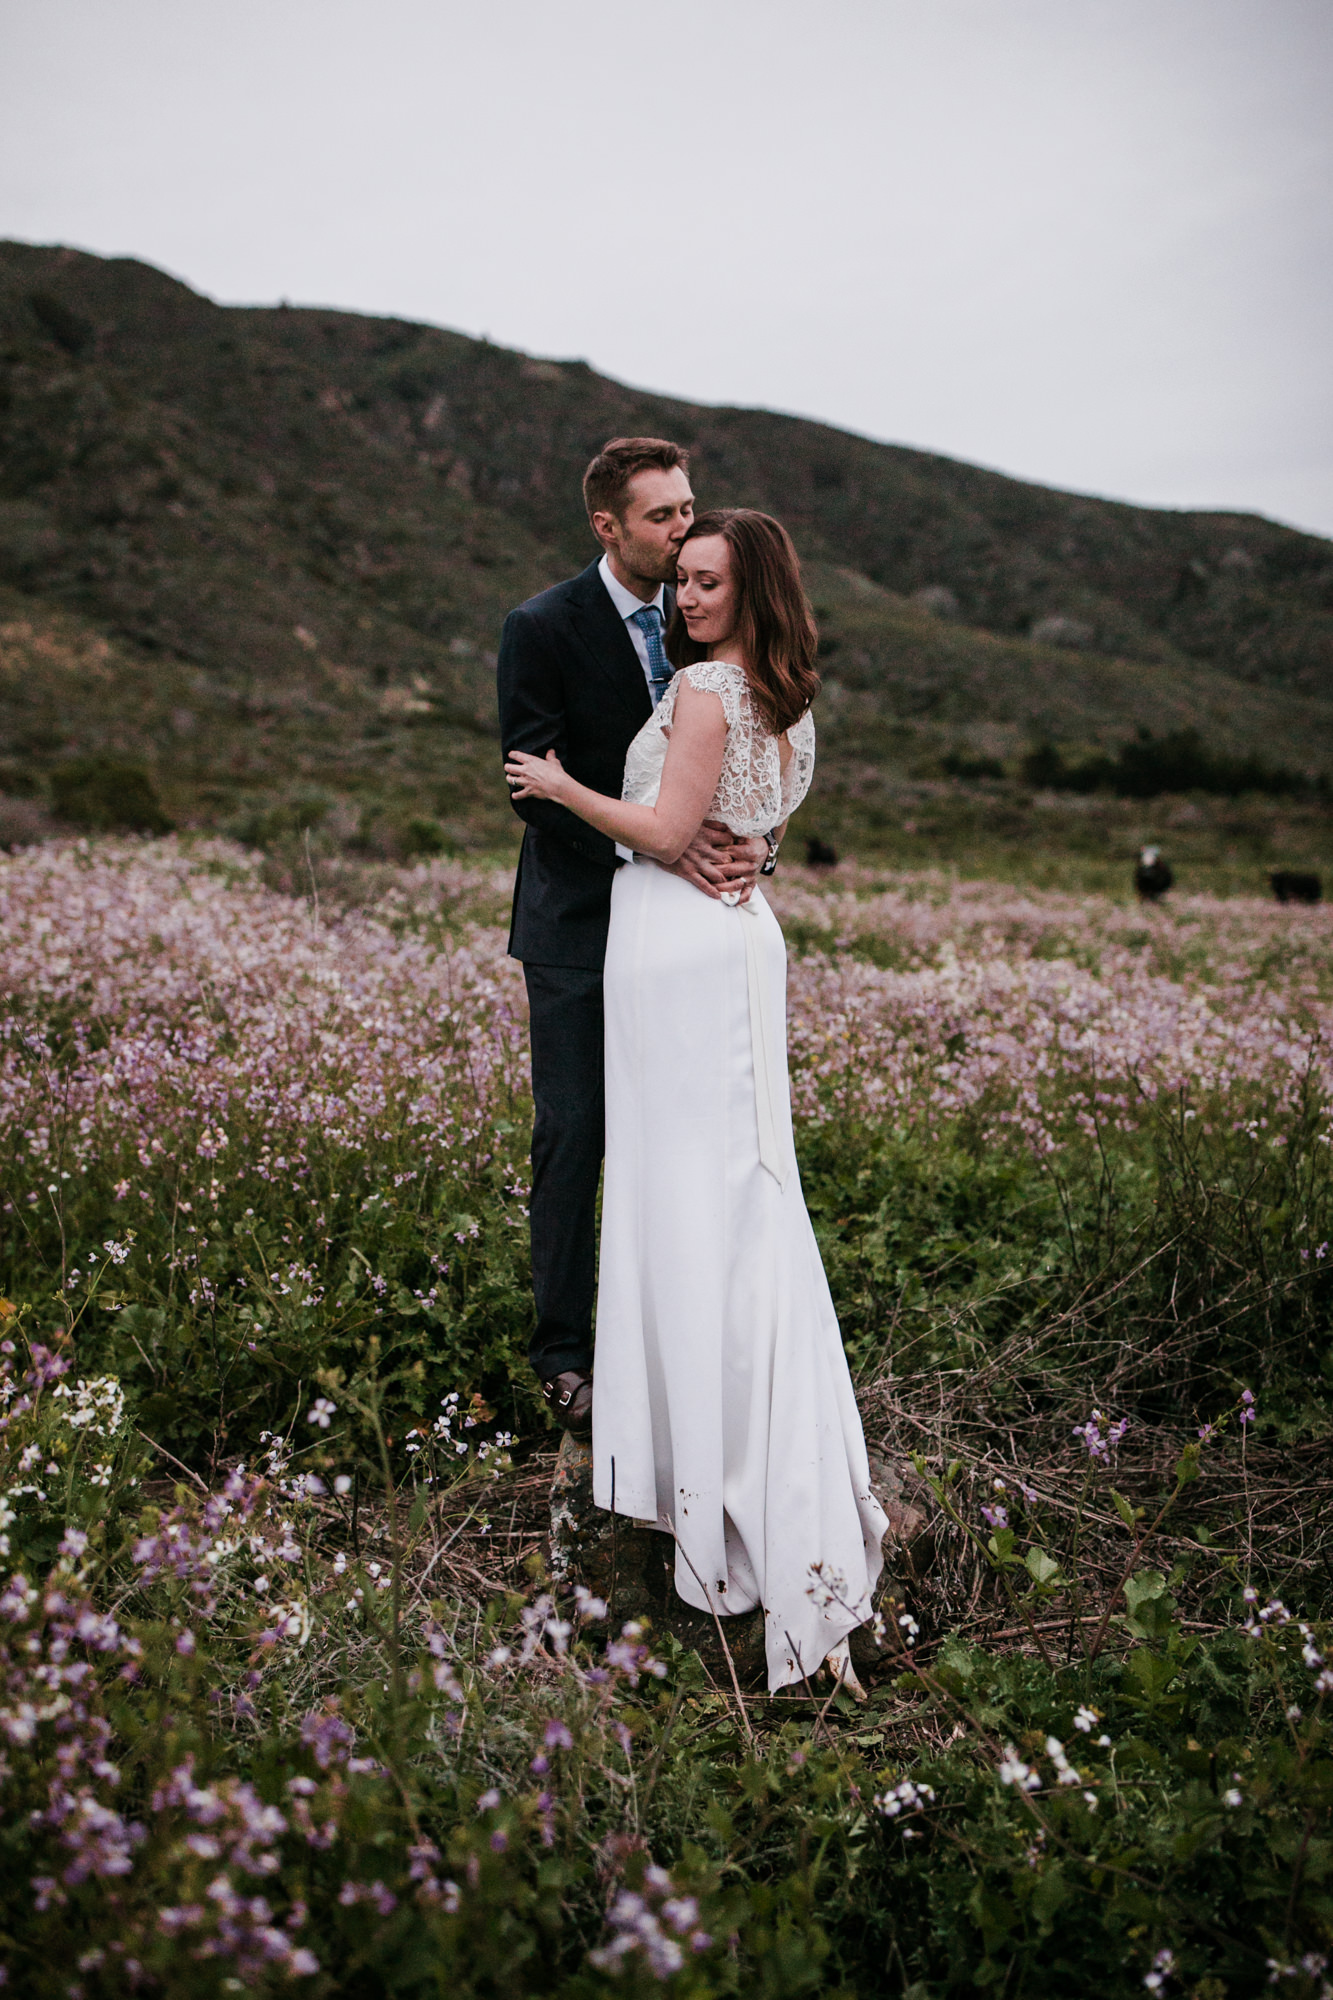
column 570, row 1396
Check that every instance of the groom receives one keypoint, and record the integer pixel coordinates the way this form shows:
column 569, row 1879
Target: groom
column 581, row 668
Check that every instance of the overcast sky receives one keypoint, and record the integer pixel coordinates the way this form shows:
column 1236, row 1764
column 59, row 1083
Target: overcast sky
column 1086, row 241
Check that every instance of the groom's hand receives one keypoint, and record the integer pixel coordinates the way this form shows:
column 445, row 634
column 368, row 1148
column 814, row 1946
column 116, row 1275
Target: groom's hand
column 717, row 862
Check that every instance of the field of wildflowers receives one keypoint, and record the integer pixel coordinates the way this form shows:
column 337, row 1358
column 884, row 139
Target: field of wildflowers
column 288, row 1703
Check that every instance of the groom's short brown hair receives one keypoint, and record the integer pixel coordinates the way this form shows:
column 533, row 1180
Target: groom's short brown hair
column 607, row 479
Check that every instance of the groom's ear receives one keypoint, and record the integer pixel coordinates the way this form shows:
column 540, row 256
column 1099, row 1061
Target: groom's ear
column 606, row 526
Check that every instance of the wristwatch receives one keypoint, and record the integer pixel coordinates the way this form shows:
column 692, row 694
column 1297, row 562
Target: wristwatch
column 772, row 860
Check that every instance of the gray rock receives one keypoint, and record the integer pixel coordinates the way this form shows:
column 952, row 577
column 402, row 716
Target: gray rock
column 938, row 599
column 1062, row 631
column 908, row 1521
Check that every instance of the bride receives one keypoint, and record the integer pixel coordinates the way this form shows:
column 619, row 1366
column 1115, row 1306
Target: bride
column 723, row 1409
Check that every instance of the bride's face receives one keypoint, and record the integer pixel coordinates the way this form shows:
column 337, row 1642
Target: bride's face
column 706, row 589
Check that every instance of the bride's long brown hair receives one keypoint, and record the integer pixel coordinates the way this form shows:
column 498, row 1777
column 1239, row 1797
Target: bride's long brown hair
column 774, row 622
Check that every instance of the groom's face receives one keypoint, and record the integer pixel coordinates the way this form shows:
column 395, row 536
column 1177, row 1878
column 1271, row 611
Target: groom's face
column 644, row 538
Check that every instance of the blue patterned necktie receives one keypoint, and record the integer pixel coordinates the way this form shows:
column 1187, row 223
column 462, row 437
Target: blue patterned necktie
column 649, row 622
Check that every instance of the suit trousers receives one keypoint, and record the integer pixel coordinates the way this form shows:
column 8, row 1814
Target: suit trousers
column 568, row 1139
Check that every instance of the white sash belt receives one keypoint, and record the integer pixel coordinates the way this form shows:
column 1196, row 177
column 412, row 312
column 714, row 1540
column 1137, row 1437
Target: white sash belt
column 764, row 1047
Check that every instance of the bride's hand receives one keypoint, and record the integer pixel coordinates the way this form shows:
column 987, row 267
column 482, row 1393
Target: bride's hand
column 535, row 777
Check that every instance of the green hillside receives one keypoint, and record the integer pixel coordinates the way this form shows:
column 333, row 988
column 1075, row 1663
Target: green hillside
column 281, row 541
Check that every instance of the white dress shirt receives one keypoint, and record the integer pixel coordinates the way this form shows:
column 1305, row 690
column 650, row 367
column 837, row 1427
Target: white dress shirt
column 627, row 604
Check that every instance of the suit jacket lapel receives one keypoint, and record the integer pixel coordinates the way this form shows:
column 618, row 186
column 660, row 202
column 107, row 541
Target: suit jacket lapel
column 600, row 630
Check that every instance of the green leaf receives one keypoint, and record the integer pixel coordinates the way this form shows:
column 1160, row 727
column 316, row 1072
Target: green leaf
column 1129, row 1515
column 1151, row 1607
column 994, row 1915
column 1154, row 1675
column 1135, row 1751
column 1050, row 1892
column 953, row 1653
column 951, row 1680
column 1141, row 1588
column 1187, row 1466
column 1043, row 1571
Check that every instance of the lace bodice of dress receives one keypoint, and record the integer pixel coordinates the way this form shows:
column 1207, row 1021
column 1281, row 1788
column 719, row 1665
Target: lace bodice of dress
column 753, row 793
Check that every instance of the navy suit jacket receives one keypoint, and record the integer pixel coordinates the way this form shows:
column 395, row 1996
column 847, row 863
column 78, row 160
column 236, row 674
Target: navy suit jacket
column 569, row 681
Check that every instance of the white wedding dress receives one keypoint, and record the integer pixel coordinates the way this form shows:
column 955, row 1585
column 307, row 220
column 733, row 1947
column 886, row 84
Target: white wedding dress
column 723, row 1408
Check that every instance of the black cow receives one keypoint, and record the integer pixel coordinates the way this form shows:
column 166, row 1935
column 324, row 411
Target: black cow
column 1152, row 875
column 818, row 853
column 1290, row 885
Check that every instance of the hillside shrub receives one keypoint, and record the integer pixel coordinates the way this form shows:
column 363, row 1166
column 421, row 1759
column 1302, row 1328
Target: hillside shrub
column 106, row 796
column 962, row 764
column 67, row 327
column 426, row 837
column 19, row 781
column 1148, row 765
column 288, row 820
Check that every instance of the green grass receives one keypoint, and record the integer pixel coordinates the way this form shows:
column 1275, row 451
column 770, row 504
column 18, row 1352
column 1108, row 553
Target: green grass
column 235, row 1272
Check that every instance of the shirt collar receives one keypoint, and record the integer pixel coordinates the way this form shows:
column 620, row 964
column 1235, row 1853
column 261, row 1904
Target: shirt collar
column 625, row 601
